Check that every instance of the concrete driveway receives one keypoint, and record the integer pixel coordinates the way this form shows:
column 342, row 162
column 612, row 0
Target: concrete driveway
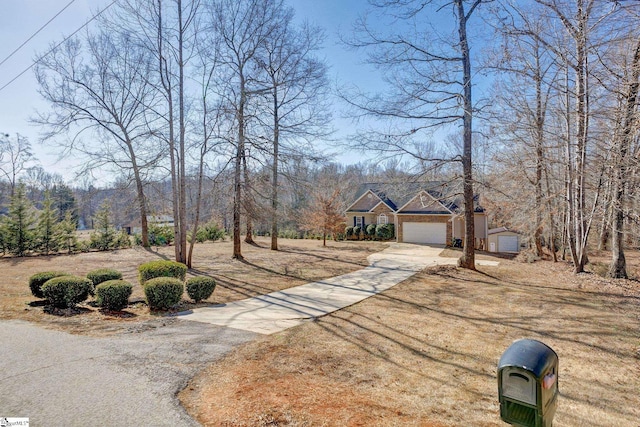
column 274, row 312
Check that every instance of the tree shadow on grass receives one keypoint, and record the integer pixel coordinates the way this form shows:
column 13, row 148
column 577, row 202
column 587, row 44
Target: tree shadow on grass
column 66, row 312
column 118, row 314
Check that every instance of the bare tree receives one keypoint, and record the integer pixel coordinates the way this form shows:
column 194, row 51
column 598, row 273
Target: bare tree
column 431, row 85
column 624, row 137
column 97, row 92
column 15, row 158
column 297, row 90
column 166, row 30
column 242, row 27
column 523, row 61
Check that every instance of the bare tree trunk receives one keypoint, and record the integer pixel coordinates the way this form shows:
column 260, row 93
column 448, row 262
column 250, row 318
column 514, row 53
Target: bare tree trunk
column 274, row 172
column 552, row 227
column 181, row 242
column 468, row 257
column 607, row 218
column 618, row 263
column 237, row 176
column 165, row 78
column 248, row 206
column 142, row 203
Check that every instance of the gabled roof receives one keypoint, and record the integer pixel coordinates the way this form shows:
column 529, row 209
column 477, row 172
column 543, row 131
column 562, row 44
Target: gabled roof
column 425, row 197
column 398, row 194
column 361, row 195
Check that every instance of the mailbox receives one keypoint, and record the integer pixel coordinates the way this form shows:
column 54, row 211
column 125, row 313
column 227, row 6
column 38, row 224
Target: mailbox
column 528, row 384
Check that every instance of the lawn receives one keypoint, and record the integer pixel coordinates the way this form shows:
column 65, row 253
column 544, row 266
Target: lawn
column 423, row 353
column 263, row 271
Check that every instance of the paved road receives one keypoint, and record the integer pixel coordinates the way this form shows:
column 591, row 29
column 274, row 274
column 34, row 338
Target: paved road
column 274, row 312
column 58, row 379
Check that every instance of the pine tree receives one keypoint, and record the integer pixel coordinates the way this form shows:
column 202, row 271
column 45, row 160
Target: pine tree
column 104, row 236
column 19, row 223
column 66, row 233
column 47, row 221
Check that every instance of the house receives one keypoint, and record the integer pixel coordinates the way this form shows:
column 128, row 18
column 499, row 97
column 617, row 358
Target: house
column 160, row 220
column 503, row 240
column 422, row 212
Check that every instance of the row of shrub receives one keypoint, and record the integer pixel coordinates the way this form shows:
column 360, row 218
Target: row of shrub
column 371, row 232
column 163, row 283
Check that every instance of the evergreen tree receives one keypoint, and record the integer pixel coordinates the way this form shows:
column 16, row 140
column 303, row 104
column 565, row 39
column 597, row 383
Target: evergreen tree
column 48, row 218
column 104, row 236
column 19, row 223
column 63, row 201
column 66, row 233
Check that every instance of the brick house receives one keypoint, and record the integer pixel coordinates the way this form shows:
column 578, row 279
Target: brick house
column 422, row 212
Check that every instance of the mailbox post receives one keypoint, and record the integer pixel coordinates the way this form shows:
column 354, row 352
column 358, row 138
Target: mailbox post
column 528, row 384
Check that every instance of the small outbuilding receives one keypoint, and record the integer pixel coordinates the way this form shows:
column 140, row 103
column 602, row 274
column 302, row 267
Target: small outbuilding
column 502, row 239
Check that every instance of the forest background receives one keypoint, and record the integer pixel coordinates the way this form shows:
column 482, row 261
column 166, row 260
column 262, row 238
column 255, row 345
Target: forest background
column 219, row 112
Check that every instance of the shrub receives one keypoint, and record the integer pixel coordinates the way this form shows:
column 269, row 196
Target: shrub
column 384, row 231
column 200, row 288
column 163, row 292
column 113, row 294
column 356, row 231
column 102, row 275
column 213, row 232
column 160, row 235
column 370, row 231
column 349, row 231
column 66, row 291
column 123, row 240
column 153, row 269
column 37, row 280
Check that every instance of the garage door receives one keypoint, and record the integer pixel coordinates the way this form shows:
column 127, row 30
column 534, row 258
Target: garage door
column 508, row 243
column 419, row 232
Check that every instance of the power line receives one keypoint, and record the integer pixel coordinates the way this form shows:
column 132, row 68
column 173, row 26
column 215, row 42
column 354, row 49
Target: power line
column 56, row 46
column 36, row 33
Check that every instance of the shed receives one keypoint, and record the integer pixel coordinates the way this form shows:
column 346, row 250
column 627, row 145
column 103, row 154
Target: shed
column 502, row 239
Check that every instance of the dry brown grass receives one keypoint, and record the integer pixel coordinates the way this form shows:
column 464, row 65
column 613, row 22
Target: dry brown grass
column 425, row 353
column 263, row 271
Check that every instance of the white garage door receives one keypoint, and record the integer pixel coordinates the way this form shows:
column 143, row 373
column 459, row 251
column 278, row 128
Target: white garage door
column 508, row 243
column 420, row 232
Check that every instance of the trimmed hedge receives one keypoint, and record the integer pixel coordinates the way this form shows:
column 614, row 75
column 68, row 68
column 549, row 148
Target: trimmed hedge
column 163, row 292
column 67, row 291
column 113, row 294
column 153, row 269
column 370, row 230
column 37, row 280
column 102, row 275
column 385, row 231
column 200, row 288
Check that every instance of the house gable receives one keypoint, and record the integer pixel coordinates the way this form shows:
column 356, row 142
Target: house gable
column 366, row 203
column 424, row 204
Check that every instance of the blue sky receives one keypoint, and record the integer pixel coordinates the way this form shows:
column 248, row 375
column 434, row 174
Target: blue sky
column 21, row 18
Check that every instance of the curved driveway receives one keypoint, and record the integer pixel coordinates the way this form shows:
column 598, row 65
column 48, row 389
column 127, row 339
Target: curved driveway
column 55, row 378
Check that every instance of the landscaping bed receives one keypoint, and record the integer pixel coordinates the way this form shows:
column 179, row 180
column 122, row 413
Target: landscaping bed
column 262, row 271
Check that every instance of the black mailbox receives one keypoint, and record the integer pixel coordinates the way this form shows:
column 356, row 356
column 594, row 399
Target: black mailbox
column 528, row 384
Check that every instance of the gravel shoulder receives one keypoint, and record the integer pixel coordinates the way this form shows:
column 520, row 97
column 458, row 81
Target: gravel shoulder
column 55, row 378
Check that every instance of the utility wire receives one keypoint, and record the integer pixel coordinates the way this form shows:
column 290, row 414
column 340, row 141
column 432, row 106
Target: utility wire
column 56, row 46
column 36, row 33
